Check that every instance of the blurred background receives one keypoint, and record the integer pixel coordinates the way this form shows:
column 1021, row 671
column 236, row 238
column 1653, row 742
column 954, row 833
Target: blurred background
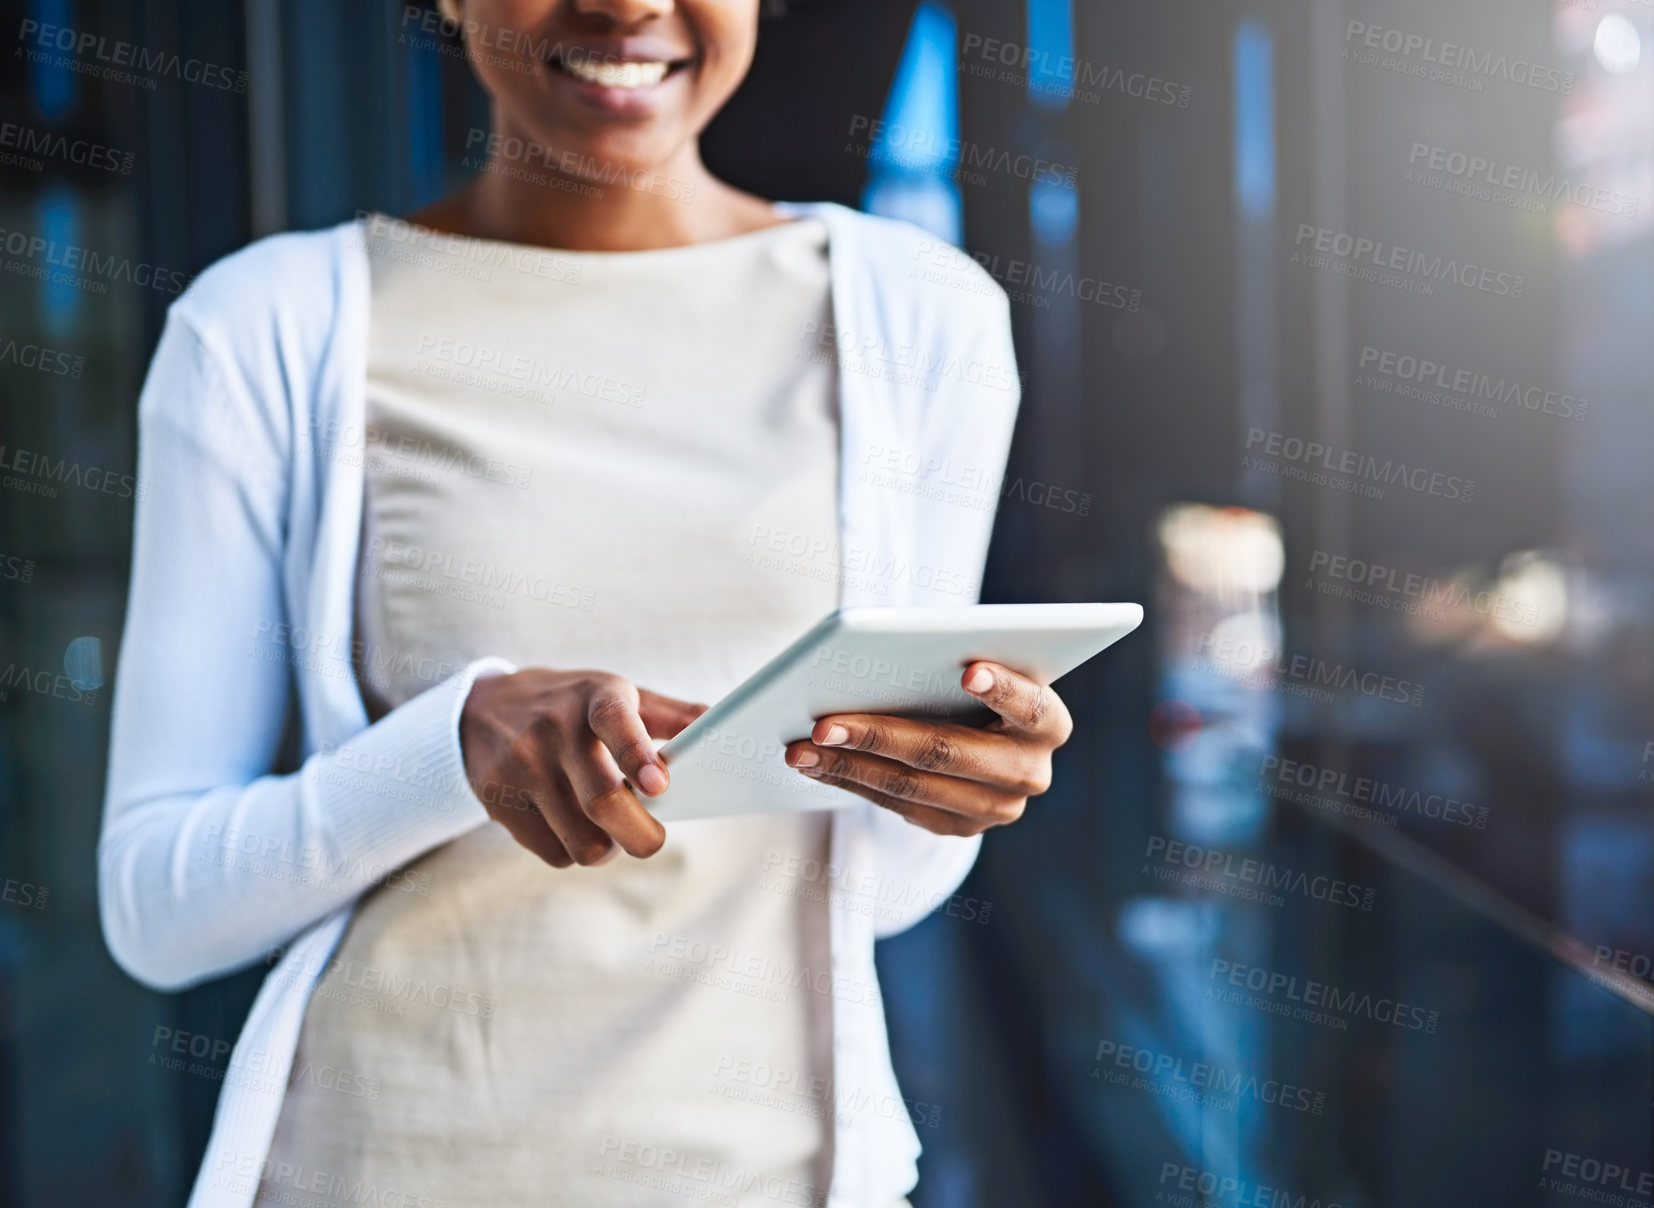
column 1338, row 325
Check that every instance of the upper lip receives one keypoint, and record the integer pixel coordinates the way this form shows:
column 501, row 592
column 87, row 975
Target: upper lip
column 644, row 49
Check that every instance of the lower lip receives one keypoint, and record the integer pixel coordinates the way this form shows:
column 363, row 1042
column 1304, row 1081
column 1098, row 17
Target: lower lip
column 622, row 102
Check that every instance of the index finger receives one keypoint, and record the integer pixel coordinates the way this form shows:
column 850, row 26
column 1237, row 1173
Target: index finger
column 616, row 717
column 622, row 748
column 605, row 799
column 666, row 716
column 931, row 746
column 1024, row 706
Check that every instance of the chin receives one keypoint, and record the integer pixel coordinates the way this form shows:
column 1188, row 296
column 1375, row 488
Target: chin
column 613, row 161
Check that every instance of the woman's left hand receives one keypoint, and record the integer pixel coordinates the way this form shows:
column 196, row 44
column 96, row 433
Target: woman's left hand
column 947, row 778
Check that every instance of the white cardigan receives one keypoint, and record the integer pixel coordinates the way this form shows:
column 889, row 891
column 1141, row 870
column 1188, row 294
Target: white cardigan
column 243, row 573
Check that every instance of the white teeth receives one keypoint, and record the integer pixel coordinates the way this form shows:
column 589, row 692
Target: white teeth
column 615, row 75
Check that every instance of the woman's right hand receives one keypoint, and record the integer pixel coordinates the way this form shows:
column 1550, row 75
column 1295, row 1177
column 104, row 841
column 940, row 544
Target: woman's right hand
column 549, row 754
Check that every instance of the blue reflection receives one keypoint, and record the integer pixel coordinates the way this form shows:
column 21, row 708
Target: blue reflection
column 921, row 118
column 50, row 79
column 1050, row 52
column 425, row 157
column 1054, row 212
column 60, row 227
column 1254, row 119
column 83, row 663
column 916, row 147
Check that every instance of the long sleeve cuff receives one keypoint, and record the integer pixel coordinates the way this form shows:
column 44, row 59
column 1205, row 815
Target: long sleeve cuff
column 399, row 788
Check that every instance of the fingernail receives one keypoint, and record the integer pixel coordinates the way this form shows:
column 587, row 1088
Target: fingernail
column 980, row 681
column 806, row 758
column 836, row 736
column 651, row 779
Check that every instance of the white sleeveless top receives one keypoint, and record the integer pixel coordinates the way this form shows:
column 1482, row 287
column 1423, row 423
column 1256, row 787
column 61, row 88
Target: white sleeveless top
column 581, row 469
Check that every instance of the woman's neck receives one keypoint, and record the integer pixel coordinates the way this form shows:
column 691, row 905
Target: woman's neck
column 672, row 206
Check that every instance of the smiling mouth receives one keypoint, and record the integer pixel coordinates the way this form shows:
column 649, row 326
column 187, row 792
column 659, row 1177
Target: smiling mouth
column 629, row 74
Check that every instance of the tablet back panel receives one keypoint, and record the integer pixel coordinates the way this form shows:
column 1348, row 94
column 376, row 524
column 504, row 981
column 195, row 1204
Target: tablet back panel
column 865, row 660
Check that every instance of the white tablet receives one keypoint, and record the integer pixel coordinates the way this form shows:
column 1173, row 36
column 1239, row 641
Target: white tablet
column 730, row 760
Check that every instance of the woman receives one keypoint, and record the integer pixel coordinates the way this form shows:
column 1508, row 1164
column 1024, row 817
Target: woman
column 597, row 410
